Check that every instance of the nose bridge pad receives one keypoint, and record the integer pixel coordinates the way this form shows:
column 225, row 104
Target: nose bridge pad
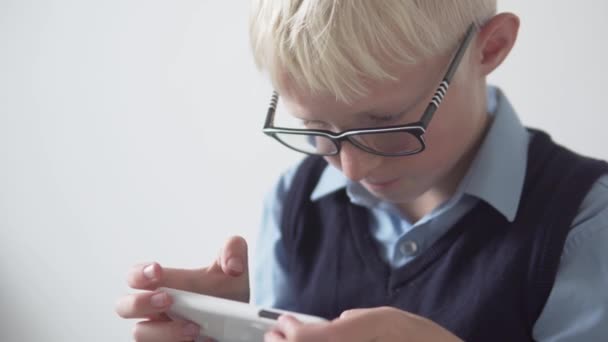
column 352, row 144
column 349, row 139
column 349, row 146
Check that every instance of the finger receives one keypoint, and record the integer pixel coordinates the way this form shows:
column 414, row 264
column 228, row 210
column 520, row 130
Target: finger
column 143, row 305
column 145, row 276
column 150, row 276
column 159, row 317
column 294, row 330
column 274, row 336
column 207, row 281
column 174, row 331
column 288, row 325
column 233, row 259
column 360, row 324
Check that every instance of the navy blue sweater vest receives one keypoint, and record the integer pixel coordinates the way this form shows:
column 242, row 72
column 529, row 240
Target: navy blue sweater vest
column 486, row 279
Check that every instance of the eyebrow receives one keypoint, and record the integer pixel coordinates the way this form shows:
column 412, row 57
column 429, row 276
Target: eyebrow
column 368, row 114
column 373, row 113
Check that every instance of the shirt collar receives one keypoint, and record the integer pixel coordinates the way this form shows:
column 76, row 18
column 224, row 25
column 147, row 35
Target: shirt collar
column 496, row 175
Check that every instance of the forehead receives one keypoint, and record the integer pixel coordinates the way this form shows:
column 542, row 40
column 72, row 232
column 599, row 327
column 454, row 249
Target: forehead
column 411, row 83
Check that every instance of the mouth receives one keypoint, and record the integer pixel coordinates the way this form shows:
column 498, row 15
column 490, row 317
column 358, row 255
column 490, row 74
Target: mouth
column 381, row 185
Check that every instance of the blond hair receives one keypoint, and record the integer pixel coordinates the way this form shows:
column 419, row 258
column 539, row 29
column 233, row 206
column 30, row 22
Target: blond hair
column 332, row 46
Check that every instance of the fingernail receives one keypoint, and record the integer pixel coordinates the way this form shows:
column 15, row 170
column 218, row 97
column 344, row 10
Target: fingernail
column 159, row 300
column 235, row 265
column 149, row 272
column 191, row 330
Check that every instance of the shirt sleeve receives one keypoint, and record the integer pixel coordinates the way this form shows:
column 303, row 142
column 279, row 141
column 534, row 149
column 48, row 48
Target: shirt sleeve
column 269, row 276
column 577, row 308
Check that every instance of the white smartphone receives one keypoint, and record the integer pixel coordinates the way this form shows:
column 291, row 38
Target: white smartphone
column 227, row 320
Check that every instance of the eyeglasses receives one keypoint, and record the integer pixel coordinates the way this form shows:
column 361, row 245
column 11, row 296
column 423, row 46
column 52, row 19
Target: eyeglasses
column 388, row 141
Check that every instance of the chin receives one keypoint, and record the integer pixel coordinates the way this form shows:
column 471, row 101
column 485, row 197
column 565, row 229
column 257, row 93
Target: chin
column 399, row 195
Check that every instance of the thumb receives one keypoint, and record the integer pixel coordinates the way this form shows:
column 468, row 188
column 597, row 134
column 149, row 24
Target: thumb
column 233, row 257
column 349, row 314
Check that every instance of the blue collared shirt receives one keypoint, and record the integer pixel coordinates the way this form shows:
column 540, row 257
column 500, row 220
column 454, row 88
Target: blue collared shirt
column 577, row 308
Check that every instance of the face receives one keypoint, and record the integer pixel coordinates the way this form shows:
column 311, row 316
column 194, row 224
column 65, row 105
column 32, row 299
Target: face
column 451, row 136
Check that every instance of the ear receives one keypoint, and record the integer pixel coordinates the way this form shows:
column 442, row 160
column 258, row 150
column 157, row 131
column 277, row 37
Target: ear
column 495, row 40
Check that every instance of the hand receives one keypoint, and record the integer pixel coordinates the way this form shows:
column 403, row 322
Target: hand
column 383, row 324
column 227, row 277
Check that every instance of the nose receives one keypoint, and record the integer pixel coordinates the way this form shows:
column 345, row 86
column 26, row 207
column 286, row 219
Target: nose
column 355, row 163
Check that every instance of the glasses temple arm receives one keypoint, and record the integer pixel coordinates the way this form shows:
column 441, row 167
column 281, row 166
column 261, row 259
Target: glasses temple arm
column 271, row 109
column 447, row 79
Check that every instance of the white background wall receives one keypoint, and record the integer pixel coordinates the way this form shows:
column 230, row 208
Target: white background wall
column 130, row 131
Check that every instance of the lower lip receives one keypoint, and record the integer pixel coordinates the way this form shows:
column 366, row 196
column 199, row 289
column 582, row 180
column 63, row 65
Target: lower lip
column 382, row 186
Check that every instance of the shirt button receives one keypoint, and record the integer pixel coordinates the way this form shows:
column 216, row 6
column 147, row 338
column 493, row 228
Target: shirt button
column 409, row 248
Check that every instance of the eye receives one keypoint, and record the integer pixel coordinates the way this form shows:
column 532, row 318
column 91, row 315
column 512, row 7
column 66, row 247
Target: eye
column 314, row 124
column 383, row 119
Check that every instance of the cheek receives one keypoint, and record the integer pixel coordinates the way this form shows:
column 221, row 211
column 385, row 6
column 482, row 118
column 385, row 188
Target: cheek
column 415, row 168
column 444, row 143
column 334, row 161
column 447, row 136
column 441, row 144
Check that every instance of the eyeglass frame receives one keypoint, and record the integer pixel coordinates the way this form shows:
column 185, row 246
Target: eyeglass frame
column 417, row 129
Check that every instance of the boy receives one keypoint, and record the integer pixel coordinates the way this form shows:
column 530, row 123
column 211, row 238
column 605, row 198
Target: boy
column 426, row 212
